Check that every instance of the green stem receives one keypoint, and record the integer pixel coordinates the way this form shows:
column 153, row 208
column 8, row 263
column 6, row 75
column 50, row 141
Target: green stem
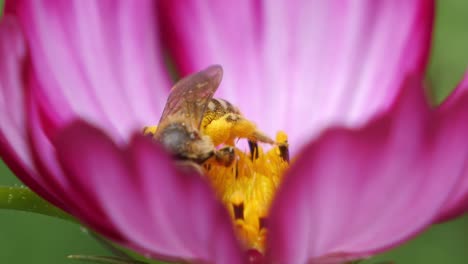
column 23, row 199
column 104, row 259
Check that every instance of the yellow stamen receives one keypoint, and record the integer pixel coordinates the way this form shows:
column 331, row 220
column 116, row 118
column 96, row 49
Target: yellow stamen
column 149, row 130
column 247, row 188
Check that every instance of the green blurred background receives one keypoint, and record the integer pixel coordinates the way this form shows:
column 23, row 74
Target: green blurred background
column 29, row 238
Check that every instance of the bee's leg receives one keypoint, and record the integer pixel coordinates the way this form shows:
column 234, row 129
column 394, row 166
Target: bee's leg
column 149, row 130
column 244, row 128
column 225, row 156
column 219, row 131
column 228, row 128
column 259, row 136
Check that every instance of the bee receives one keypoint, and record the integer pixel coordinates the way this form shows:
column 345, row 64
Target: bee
column 193, row 123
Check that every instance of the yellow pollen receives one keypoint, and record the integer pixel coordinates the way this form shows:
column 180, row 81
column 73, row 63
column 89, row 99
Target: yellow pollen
column 248, row 186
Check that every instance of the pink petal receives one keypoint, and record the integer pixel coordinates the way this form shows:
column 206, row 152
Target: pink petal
column 353, row 193
column 68, row 189
column 304, row 65
column 14, row 148
column 159, row 211
column 99, row 60
column 458, row 202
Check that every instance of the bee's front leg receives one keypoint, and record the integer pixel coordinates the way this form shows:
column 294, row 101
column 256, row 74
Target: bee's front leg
column 244, row 128
column 225, row 156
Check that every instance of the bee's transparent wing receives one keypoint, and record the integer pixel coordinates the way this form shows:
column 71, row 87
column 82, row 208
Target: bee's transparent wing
column 190, row 96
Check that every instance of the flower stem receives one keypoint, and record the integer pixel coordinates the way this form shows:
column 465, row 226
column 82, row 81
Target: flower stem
column 104, row 259
column 23, row 199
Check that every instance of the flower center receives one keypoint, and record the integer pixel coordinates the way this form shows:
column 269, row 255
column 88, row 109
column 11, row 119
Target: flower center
column 248, row 186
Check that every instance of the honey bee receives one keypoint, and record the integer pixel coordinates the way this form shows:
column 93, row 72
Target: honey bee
column 193, row 123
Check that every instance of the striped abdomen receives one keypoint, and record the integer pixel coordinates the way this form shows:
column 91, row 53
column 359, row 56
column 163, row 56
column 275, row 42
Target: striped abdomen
column 216, row 109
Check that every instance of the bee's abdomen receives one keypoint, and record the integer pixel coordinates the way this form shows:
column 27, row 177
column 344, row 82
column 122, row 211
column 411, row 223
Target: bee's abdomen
column 217, row 108
column 221, row 106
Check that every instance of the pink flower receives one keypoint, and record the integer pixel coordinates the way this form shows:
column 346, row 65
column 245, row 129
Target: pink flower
column 374, row 164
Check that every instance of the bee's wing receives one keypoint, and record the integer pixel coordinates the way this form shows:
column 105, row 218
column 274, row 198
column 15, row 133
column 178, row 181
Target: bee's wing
column 190, row 96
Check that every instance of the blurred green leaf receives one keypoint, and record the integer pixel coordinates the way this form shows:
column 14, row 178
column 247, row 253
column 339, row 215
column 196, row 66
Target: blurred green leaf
column 442, row 243
column 1, row 7
column 22, row 199
column 449, row 58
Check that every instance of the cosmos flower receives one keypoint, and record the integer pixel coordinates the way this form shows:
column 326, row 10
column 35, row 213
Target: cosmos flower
column 372, row 163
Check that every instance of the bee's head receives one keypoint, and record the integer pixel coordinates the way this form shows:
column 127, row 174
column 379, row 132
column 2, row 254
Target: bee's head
column 185, row 143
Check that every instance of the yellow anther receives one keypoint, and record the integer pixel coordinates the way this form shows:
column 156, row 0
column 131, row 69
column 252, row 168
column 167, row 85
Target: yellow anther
column 249, row 185
column 149, row 130
column 281, row 138
column 282, row 149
